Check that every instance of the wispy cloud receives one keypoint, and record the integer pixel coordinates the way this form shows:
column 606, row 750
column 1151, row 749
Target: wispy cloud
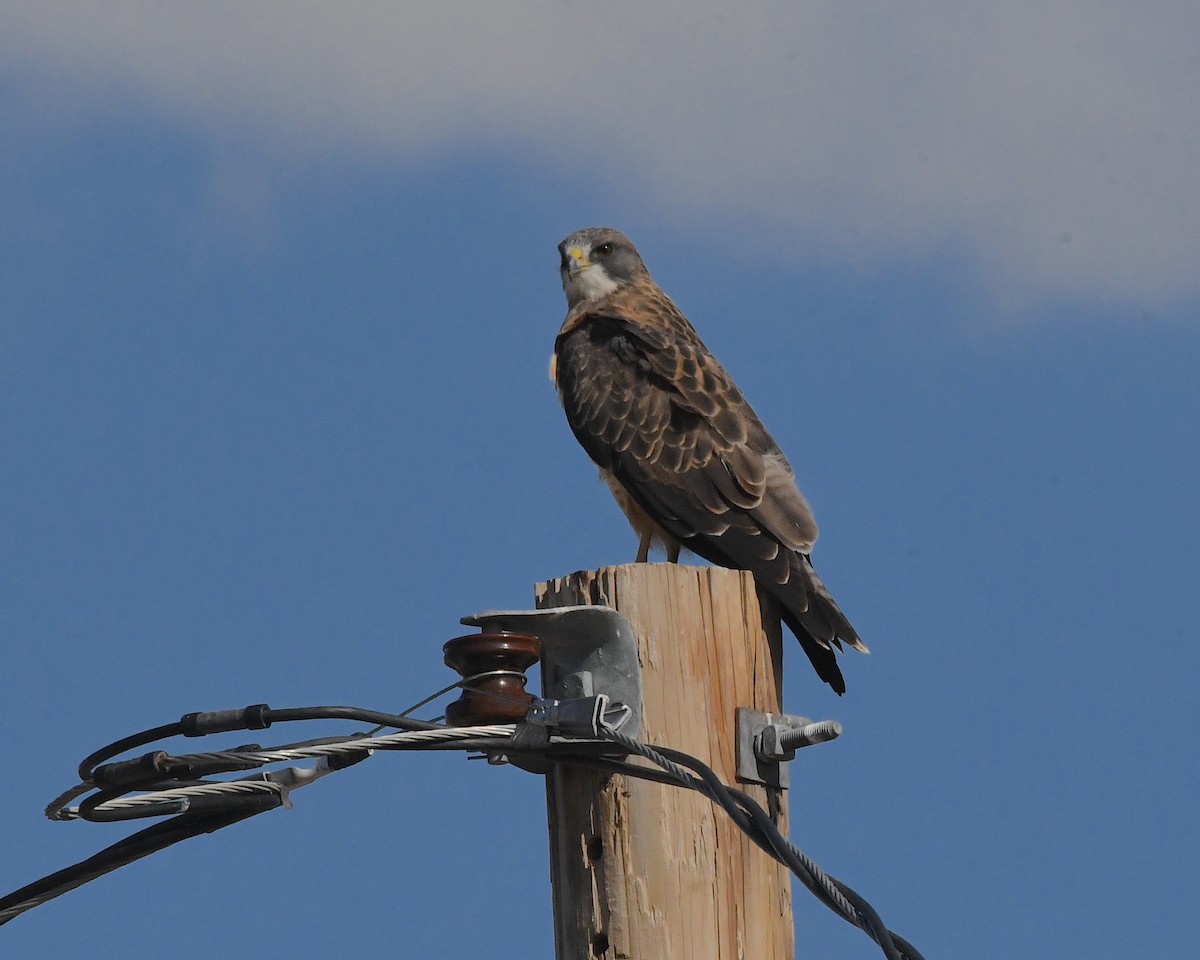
column 1056, row 144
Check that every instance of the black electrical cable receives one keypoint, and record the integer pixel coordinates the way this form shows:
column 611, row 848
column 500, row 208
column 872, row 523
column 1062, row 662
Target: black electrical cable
column 751, row 818
column 867, row 919
column 198, row 814
column 624, row 767
column 196, row 765
column 752, row 813
column 126, row 851
column 728, row 798
column 749, row 815
column 377, row 717
column 125, row 744
column 256, row 717
column 894, row 947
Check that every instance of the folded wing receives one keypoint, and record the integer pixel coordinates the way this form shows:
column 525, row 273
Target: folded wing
column 651, row 405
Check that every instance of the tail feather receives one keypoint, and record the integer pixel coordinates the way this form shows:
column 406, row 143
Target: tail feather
column 832, row 612
column 823, row 659
column 812, row 614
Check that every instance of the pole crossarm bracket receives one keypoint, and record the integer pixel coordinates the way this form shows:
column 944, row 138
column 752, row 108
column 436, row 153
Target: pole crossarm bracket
column 587, row 651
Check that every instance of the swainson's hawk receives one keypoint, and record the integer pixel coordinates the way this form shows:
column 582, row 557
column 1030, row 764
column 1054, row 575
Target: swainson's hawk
column 686, row 457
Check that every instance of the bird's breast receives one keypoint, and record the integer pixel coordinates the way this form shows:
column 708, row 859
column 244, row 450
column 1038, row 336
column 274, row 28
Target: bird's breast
column 643, row 524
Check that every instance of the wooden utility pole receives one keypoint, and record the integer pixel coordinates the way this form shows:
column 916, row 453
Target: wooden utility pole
column 644, row 871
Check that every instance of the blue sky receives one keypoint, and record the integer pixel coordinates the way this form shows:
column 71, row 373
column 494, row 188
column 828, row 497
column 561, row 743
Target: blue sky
column 279, row 288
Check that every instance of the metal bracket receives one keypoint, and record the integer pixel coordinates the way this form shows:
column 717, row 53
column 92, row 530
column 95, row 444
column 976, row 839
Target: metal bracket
column 766, row 741
column 581, row 717
column 586, row 651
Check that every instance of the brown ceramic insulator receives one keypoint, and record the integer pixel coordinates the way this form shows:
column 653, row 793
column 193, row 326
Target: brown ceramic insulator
column 498, row 697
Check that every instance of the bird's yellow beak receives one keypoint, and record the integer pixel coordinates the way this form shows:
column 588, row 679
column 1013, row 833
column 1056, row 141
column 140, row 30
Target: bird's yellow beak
column 577, row 260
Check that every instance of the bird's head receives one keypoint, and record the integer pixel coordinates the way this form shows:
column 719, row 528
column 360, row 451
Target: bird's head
column 597, row 261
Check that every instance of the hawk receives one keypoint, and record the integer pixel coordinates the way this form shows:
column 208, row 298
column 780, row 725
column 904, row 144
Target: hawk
column 688, row 460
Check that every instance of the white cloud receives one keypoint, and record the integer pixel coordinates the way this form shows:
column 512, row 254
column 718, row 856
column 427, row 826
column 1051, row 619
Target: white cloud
column 1057, row 143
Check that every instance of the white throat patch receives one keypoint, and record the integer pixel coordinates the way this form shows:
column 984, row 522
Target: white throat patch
column 590, row 283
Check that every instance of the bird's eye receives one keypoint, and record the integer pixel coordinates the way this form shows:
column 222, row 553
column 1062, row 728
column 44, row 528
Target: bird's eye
column 603, row 250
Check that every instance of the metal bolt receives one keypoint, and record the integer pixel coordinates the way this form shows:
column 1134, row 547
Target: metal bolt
column 780, row 742
column 809, row 734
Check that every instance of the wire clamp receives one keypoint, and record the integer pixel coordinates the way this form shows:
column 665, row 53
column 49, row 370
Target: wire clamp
column 581, row 717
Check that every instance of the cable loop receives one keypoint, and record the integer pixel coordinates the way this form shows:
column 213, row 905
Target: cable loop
column 197, row 805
